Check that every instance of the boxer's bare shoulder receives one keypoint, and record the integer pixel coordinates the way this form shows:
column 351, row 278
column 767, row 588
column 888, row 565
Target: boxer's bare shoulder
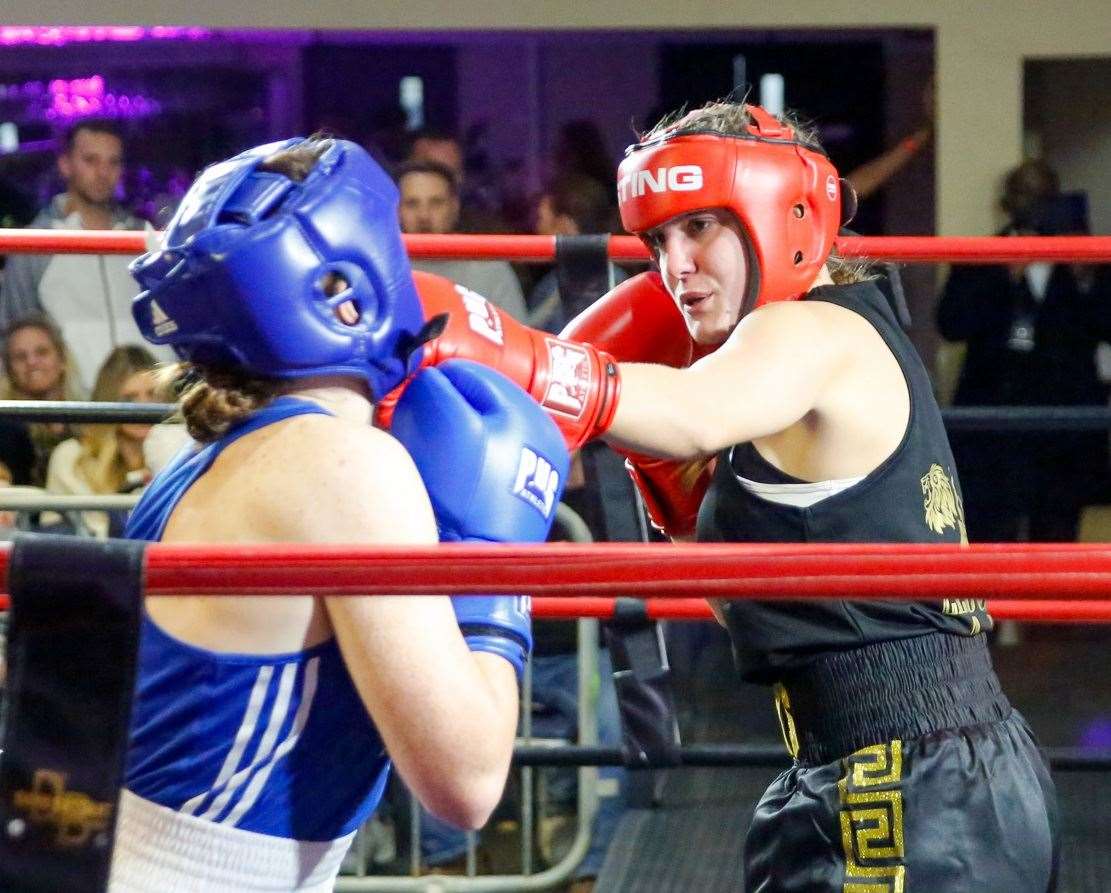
column 331, row 482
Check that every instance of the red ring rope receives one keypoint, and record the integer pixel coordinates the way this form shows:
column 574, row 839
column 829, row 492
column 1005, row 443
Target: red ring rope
column 918, row 249
column 1041, row 582
column 885, row 571
column 555, row 608
column 1065, row 572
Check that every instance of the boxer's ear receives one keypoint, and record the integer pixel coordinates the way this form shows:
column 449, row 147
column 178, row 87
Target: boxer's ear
column 653, row 255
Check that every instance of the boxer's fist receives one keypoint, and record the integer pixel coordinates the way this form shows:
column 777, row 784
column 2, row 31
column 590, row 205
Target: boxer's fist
column 494, row 465
column 639, row 322
column 575, row 383
column 672, row 489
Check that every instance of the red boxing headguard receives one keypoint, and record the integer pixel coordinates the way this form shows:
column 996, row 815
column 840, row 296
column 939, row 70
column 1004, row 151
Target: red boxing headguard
column 785, row 193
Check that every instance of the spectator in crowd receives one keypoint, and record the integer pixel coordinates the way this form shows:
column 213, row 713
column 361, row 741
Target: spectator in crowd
column 430, row 204
column 479, row 189
column 571, row 205
column 87, row 296
column 1031, row 333
column 38, row 366
column 106, row 459
column 440, row 147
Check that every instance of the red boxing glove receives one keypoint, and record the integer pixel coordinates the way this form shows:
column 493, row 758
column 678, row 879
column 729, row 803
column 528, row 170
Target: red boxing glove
column 639, row 322
column 575, row 383
column 672, row 490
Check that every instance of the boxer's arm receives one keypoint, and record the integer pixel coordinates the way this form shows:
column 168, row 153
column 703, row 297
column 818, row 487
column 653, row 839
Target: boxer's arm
column 447, row 716
column 494, row 465
column 638, row 321
column 773, row 370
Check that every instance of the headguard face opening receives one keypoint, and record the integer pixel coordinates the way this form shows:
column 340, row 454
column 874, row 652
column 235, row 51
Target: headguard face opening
column 241, row 280
column 784, row 192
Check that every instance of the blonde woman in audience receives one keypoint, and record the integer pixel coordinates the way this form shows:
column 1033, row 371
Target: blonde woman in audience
column 39, row 366
column 106, row 459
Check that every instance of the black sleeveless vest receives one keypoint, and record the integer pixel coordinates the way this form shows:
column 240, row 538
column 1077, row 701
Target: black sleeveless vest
column 914, row 496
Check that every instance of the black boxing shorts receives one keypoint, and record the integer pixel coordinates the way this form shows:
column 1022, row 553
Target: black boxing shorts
column 967, row 805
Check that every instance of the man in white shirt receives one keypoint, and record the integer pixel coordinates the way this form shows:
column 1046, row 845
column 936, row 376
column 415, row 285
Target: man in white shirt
column 87, row 296
column 430, row 204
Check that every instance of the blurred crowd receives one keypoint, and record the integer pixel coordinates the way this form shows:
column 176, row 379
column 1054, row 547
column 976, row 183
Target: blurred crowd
column 1028, row 334
column 1032, row 334
column 66, row 323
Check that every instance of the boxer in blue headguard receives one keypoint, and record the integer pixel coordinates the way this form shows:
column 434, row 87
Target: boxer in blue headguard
column 248, row 272
column 263, row 729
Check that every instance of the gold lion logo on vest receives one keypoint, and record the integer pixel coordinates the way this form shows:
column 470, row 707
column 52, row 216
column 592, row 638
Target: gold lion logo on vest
column 76, row 815
column 942, row 502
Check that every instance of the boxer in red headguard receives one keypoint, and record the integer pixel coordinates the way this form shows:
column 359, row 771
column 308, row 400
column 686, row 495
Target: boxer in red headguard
column 765, row 392
column 912, row 770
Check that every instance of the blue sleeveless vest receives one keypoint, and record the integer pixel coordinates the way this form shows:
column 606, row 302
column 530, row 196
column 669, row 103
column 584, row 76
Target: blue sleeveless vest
column 279, row 744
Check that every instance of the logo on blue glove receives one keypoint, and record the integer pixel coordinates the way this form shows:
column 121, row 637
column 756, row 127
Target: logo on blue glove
column 537, row 482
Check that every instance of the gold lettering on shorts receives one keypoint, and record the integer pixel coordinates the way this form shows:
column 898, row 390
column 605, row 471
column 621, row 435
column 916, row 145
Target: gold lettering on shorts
column 970, row 609
column 872, row 820
column 958, row 606
column 942, row 502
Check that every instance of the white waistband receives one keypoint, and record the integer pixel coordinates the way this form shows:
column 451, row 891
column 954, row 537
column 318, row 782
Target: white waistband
column 159, row 850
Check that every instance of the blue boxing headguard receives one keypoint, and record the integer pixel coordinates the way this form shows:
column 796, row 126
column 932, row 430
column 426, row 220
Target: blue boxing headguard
column 241, row 278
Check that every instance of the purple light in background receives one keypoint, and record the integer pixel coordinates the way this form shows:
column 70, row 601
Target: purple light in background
column 62, row 100
column 60, row 35
column 88, row 87
column 1097, row 733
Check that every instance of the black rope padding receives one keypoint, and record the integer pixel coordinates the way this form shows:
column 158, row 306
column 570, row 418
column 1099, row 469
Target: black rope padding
column 1027, row 418
column 645, row 696
column 630, row 611
column 1061, row 759
column 77, row 411
column 582, row 271
column 956, row 418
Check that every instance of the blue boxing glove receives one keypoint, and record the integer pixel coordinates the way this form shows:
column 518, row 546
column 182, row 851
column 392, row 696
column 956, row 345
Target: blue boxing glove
column 494, row 464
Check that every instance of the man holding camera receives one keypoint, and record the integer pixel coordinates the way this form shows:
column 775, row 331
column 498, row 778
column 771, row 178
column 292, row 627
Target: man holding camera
column 1031, row 331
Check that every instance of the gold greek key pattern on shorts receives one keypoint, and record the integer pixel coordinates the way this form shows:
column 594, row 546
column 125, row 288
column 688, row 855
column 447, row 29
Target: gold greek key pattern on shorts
column 872, row 820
